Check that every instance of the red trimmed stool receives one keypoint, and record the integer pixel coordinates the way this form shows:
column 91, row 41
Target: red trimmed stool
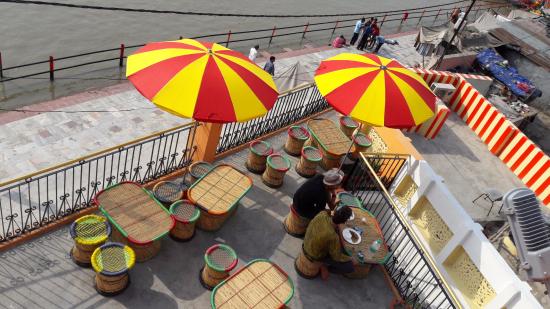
column 348, row 125
column 297, row 136
column 307, row 166
column 361, row 143
column 219, row 261
column 277, row 166
column 294, row 224
column 257, row 157
column 186, row 215
column 305, row 267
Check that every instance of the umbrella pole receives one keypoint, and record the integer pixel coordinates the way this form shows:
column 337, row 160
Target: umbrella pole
column 349, row 149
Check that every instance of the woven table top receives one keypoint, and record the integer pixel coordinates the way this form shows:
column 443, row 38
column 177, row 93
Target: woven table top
column 371, row 232
column 219, row 190
column 135, row 213
column 260, row 284
column 329, row 136
column 113, row 259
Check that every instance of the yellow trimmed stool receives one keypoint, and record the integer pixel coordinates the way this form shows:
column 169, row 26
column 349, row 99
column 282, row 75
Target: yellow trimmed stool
column 307, row 166
column 219, row 261
column 88, row 232
column 111, row 263
column 305, row 267
column 199, row 169
column 257, row 157
column 297, row 136
column 186, row 214
column 348, row 125
column 295, row 225
column 361, row 143
column 167, row 192
column 277, row 166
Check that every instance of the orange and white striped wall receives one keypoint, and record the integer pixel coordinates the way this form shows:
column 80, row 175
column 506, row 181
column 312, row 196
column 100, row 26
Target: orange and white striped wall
column 430, row 128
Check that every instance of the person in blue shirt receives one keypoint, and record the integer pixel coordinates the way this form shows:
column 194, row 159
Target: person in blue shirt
column 269, row 66
column 356, row 31
column 380, row 40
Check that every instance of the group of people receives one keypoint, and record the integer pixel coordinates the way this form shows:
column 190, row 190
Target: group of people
column 269, row 66
column 367, row 34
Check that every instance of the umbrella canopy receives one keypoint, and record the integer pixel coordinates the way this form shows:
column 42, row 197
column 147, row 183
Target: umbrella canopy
column 375, row 90
column 201, row 80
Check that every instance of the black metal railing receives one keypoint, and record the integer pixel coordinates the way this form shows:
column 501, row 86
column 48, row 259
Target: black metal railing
column 289, row 108
column 30, row 203
column 412, row 271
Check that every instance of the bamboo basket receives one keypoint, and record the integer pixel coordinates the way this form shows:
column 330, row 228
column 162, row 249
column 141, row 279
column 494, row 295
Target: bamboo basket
column 348, row 125
column 297, row 136
column 333, row 143
column 186, row 215
column 88, row 232
column 305, row 267
column 219, row 261
column 307, row 166
column 361, row 143
column 217, row 195
column 277, row 166
column 111, row 263
column 295, row 225
column 259, row 150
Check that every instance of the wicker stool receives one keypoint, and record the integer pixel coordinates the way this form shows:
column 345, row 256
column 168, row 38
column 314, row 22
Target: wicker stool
column 305, row 267
column 277, row 166
column 297, row 136
column 88, row 232
column 219, row 261
column 348, row 199
column 168, row 192
column 307, row 166
column 259, row 150
column 361, row 142
column 186, row 214
column 348, row 125
column 199, row 169
column 111, row 263
column 295, row 225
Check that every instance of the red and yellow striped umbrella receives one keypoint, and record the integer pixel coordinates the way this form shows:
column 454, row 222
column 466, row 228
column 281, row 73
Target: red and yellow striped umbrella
column 375, row 90
column 201, row 80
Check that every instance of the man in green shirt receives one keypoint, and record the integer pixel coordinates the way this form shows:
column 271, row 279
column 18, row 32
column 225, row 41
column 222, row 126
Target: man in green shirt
column 322, row 241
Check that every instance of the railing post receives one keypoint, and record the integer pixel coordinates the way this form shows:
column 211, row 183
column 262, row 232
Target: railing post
column 121, row 57
column 207, row 137
column 333, row 30
column 228, row 38
column 405, row 16
column 272, row 34
column 383, row 20
column 437, row 15
column 1, row 67
column 51, row 68
column 305, row 30
column 421, row 15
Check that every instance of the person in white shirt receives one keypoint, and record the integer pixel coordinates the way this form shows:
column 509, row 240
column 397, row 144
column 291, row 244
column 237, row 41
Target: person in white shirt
column 358, row 26
column 253, row 53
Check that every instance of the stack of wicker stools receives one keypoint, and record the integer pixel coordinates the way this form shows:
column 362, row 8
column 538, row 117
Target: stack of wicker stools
column 305, row 267
column 348, row 125
column 167, row 192
column 307, row 166
column 297, row 136
column 199, row 169
column 186, row 214
column 219, row 261
column 88, row 232
column 361, row 142
column 257, row 157
column 295, row 224
column 111, row 263
column 277, row 166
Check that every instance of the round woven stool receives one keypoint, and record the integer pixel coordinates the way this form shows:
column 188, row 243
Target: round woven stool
column 307, row 166
column 88, row 232
column 277, row 166
column 348, row 125
column 111, row 263
column 186, row 214
column 305, row 267
column 297, row 136
column 294, row 224
column 259, row 150
column 347, row 199
column 199, row 169
column 219, row 261
column 168, row 192
column 361, row 142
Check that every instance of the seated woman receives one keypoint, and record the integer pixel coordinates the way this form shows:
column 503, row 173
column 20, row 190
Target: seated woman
column 339, row 42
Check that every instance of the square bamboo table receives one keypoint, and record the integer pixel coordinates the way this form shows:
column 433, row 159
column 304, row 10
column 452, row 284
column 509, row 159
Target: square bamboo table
column 331, row 140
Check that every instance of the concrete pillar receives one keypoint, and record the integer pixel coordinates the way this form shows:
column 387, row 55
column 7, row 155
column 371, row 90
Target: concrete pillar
column 207, row 137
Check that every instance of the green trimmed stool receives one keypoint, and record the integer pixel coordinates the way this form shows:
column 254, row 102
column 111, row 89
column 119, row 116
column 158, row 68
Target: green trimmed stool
column 307, row 166
column 361, row 143
column 111, row 263
column 297, row 136
column 257, row 157
column 277, row 166
column 186, row 215
column 219, row 261
column 199, row 169
column 347, row 199
column 348, row 125
column 88, row 233
column 167, row 192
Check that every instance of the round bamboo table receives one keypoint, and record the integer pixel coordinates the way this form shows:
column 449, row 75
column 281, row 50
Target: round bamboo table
column 361, row 143
column 219, row 261
column 199, row 169
column 307, row 166
column 168, row 192
column 111, row 263
column 277, row 166
column 88, row 233
column 348, row 125
column 257, row 157
column 297, row 136
column 186, row 215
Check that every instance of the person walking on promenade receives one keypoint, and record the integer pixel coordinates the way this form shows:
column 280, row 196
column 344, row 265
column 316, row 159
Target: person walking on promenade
column 367, row 29
column 269, row 66
column 253, row 53
column 358, row 26
column 380, row 40
column 374, row 33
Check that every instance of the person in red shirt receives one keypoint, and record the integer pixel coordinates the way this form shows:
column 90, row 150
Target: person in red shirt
column 339, row 42
column 374, row 34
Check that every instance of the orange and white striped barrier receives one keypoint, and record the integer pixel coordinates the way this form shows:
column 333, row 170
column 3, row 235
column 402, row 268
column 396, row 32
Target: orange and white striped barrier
column 430, row 128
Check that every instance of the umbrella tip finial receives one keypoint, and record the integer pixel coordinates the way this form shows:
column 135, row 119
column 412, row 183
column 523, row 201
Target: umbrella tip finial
column 210, row 51
column 383, row 67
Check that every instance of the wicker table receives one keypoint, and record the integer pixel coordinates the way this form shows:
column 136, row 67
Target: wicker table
column 260, row 284
column 140, row 219
column 331, row 140
column 371, row 232
column 217, row 194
